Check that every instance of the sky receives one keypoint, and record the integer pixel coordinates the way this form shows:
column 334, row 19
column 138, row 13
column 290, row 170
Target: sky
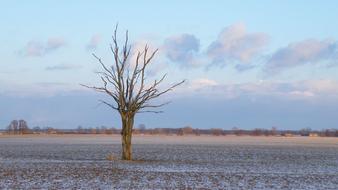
column 247, row 64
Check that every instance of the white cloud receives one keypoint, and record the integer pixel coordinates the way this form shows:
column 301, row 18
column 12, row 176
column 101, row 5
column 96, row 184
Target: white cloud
column 182, row 49
column 302, row 93
column 36, row 48
column 299, row 90
column 201, row 83
column 63, row 67
column 55, row 43
column 42, row 89
column 234, row 43
column 94, row 42
column 309, row 51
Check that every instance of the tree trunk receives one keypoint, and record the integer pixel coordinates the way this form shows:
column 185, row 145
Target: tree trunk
column 127, row 126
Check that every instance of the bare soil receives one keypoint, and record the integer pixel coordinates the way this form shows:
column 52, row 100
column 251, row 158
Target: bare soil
column 168, row 162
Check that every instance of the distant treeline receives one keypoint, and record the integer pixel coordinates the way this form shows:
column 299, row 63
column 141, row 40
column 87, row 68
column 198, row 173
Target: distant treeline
column 21, row 127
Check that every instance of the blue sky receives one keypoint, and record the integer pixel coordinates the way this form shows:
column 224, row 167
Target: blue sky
column 249, row 64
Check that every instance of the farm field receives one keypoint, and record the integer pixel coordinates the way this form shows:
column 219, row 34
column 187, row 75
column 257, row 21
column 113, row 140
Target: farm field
column 168, row 162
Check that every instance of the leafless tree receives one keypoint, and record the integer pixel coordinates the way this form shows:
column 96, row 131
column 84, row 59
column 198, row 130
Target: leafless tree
column 187, row 130
column 126, row 85
column 18, row 127
column 216, row 131
column 142, row 128
column 23, row 127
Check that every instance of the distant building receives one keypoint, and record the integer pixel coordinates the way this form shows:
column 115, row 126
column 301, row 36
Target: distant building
column 313, row 135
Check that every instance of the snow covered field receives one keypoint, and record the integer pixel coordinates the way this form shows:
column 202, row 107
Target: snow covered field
column 168, row 162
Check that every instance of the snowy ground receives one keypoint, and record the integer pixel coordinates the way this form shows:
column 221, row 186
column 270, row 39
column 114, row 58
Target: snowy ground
column 169, row 162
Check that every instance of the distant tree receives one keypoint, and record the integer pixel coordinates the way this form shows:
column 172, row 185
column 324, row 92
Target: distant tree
column 18, row 127
column 115, row 131
column 273, row 131
column 197, row 132
column 329, row 132
column 142, row 128
column 237, row 131
column 187, row 130
column 80, row 129
column 14, row 126
column 109, row 131
column 98, row 130
column 125, row 83
column 51, row 130
column 103, row 130
column 10, row 128
column 256, row 132
column 266, row 132
column 216, row 131
column 23, row 127
column 92, row 130
column 36, row 129
column 158, row 131
column 305, row 131
column 180, row 132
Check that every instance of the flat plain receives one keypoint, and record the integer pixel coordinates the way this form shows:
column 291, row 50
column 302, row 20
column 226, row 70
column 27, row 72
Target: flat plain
column 168, row 162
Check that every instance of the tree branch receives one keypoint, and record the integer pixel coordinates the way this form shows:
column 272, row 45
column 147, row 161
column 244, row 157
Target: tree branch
column 127, row 86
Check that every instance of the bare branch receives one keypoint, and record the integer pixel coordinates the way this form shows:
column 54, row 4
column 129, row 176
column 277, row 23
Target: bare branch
column 150, row 111
column 110, row 105
column 127, row 86
column 154, row 106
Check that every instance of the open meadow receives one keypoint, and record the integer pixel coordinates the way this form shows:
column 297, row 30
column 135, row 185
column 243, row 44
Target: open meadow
column 168, row 162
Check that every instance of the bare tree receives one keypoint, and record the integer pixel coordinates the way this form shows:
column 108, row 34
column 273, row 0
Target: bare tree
column 126, row 85
column 216, row 131
column 187, row 130
column 142, row 128
column 23, row 127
